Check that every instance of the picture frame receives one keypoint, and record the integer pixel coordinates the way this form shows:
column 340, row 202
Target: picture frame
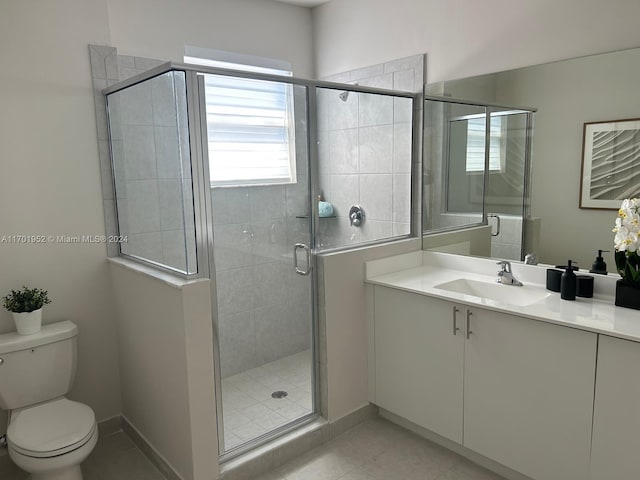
column 610, row 163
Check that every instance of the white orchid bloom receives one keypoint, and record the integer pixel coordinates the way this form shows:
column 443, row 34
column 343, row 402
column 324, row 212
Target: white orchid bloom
column 627, row 226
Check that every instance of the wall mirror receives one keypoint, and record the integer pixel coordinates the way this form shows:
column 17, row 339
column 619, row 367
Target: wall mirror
column 566, row 95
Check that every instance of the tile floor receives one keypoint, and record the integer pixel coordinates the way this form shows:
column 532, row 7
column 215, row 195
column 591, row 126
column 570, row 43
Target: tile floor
column 379, row 450
column 249, row 409
column 373, row 450
column 115, row 457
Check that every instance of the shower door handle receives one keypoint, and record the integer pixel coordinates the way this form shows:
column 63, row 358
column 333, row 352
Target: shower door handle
column 497, row 217
column 307, row 250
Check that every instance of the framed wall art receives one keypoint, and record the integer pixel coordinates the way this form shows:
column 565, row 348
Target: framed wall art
column 610, row 163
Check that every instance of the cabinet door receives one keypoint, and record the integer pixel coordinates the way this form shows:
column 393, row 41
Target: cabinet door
column 528, row 392
column 616, row 418
column 419, row 360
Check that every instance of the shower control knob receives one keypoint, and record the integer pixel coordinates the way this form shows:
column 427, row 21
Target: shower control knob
column 356, row 216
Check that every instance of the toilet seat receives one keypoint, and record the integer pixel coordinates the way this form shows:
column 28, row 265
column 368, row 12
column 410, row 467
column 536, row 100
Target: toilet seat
column 51, row 429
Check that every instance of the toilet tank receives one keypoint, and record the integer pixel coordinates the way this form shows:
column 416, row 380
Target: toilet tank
column 38, row 367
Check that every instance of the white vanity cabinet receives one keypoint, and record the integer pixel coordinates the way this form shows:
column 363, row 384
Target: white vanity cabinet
column 616, row 419
column 419, row 360
column 528, row 394
column 515, row 390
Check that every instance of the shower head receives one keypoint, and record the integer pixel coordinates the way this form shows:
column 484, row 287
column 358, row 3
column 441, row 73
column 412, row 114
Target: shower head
column 345, row 94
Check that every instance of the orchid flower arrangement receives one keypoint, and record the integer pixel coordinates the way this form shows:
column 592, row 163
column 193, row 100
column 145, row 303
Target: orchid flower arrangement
column 627, row 241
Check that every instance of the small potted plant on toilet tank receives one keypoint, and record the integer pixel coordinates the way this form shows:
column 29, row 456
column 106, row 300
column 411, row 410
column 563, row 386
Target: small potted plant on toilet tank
column 26, row 306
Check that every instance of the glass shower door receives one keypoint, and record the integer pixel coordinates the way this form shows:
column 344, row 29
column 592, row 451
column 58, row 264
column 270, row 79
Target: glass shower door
column 455, row 151
column 257, row 144
column 505, row 197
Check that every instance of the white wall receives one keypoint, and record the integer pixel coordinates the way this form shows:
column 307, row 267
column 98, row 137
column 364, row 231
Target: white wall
column 345, row 320
column 568, row 94
column 468, row 37
column 165, row 339
column 161, row 28
column 50, row 180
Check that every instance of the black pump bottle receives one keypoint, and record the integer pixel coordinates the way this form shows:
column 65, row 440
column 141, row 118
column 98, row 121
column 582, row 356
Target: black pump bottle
column 568, row 283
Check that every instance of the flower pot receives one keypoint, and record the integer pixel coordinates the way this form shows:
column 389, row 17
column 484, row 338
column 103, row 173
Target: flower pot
column 28, row 323
column 627, row 295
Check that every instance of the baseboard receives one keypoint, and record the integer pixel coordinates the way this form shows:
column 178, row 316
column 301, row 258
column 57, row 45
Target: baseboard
column 110, row 426
column 454, row 447
column 147, row 449
column 256, row 462
column 339, row 426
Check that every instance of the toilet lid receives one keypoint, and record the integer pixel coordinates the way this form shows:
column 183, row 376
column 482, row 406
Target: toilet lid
column 51, row 428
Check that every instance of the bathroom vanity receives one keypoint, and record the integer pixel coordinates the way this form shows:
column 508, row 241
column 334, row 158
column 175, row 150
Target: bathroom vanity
column 546, row 387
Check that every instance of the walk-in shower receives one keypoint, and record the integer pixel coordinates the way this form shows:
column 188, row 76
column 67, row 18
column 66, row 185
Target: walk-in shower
column 219, row 174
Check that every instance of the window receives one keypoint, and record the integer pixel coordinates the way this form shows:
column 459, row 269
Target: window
column 475, row 144
column 250, row 123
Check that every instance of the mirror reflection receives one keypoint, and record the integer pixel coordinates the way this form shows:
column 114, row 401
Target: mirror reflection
column 476, row 164
column 565, row 95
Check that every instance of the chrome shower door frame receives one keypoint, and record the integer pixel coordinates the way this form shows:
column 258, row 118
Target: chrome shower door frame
column 199, row 135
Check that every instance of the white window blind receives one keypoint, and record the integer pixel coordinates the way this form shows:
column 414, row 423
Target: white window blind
column 250, row 127
column 475, row 144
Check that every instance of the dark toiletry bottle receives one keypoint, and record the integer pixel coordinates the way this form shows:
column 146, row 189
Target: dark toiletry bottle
column 599, row 266
column 568, row 283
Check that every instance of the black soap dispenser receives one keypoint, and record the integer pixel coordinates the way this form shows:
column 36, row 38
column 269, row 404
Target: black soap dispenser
column 568, row 283
column 599, row 266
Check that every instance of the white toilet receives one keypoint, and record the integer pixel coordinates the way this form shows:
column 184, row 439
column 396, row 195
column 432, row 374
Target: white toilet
column 48, row 435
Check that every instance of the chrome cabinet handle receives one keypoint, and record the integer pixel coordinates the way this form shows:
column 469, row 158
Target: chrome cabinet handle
column 469, row 332
column 455, row 322
column 307, row 267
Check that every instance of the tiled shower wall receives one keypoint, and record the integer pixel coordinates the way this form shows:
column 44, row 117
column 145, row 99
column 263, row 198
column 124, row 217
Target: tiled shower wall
column 365, row 153
column 508, row 244
column 150, row 148
column 149, row 189
column 255, row 227
column 264, row 307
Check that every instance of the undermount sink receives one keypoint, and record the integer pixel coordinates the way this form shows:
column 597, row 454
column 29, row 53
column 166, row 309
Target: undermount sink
column 508, row 294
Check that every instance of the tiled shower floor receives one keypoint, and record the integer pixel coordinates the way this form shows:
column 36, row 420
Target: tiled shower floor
column 249, row 410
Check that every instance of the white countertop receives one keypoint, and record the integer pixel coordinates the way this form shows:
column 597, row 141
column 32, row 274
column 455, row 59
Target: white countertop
column 420, row 272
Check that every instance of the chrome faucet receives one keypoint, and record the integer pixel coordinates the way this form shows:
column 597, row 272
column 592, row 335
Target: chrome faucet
column 505, row 276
